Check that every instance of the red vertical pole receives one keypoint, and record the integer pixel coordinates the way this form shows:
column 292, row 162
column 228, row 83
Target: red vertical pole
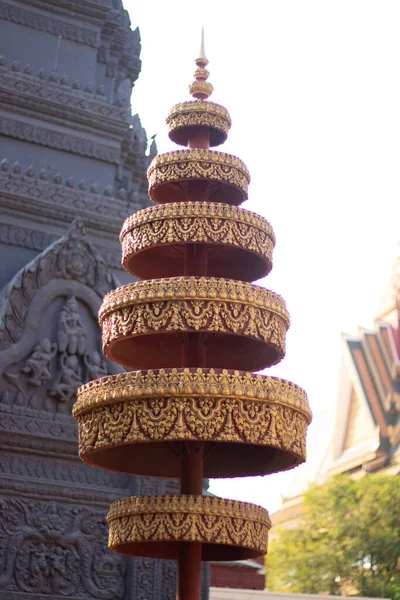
column 193, row 355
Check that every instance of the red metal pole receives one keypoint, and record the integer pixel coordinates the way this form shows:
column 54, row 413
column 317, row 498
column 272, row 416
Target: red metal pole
column 193, row 355
column 189, row 554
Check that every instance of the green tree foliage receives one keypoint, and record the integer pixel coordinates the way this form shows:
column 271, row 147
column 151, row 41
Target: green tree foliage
column 347, row 541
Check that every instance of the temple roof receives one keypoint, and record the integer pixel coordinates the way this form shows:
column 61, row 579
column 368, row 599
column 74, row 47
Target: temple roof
column 367, row 428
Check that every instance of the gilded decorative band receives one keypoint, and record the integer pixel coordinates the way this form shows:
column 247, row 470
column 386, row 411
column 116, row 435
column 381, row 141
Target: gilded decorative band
column 180, row 305
column 190, row 382
column 193, row 289
column 204, row 405
column 197, row 222
column 199, row 113
column 160, row 520
column 201, row 89
column 197, row 164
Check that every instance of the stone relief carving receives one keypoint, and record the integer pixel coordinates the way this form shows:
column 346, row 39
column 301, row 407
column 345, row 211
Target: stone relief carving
column 47, row 468
column 62, row 202
column 95, row 366
column 71, row 335
column 134, row 158
column 69, row 258
column 29, row 18
column 48, row 548
column 37, row 367
column 124, row 91
column 71, row 4
column 58, row 368
column 33, row 90
column 125, row 44
column 27, row 238
column 44, row 552
column 37, row 240
column 64, row 354
column 67, row 382
column 55, row 139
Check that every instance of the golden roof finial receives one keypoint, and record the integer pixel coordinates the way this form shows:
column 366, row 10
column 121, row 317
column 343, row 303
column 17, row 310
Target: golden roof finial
column 201, row 88
column 202, row 54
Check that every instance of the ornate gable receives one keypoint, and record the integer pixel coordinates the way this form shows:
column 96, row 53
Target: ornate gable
column 49, row 337
column 359, row 427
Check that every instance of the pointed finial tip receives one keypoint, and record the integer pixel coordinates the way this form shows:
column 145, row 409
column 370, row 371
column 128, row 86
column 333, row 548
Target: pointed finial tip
column 202, row 53
column 202, row 60
column 201, row 88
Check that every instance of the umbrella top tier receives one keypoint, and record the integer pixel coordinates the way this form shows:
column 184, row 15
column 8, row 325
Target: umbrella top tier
column 184, row 118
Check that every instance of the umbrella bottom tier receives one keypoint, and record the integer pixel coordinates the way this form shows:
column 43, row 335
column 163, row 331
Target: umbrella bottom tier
column 155, row 527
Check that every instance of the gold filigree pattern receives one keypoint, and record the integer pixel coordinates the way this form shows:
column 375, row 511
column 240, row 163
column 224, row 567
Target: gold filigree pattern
column 201, row 89
column 193, row 289
column 185, row 165
column 196, row 222
column 190, row 304
column 192, row 405
column 190, row 382
column 171, row 519
column 199, row 113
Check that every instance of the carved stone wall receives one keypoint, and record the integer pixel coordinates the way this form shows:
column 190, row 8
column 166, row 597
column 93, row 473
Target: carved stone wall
column 53, row 535
column 69, row 148
column 69, row 143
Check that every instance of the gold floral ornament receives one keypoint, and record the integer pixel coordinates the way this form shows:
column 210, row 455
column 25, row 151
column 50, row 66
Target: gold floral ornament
column 198, row 113
column 152, row 526
column 239, row 242
column 243, row 326
column 117, row 414
column 186, row 117
column 225, row 177
column 201, row 88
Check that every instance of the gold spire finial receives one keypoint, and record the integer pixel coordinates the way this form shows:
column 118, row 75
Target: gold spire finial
column 201, row 88
column 202, row 54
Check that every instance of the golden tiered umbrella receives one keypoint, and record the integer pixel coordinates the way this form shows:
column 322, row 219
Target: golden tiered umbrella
column 194, row 331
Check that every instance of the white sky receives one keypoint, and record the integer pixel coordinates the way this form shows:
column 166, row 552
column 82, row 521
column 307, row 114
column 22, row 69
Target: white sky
column 314, row 94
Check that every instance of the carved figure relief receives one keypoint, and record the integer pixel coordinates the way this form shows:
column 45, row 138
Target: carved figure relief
column 67, row 382
column 71, row 335
column 38, row 365
column 55, row 369
column 95, row 367
column 55, row 549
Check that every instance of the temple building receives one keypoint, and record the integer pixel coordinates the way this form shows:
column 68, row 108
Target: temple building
column 73, row 162
column 366, row 435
